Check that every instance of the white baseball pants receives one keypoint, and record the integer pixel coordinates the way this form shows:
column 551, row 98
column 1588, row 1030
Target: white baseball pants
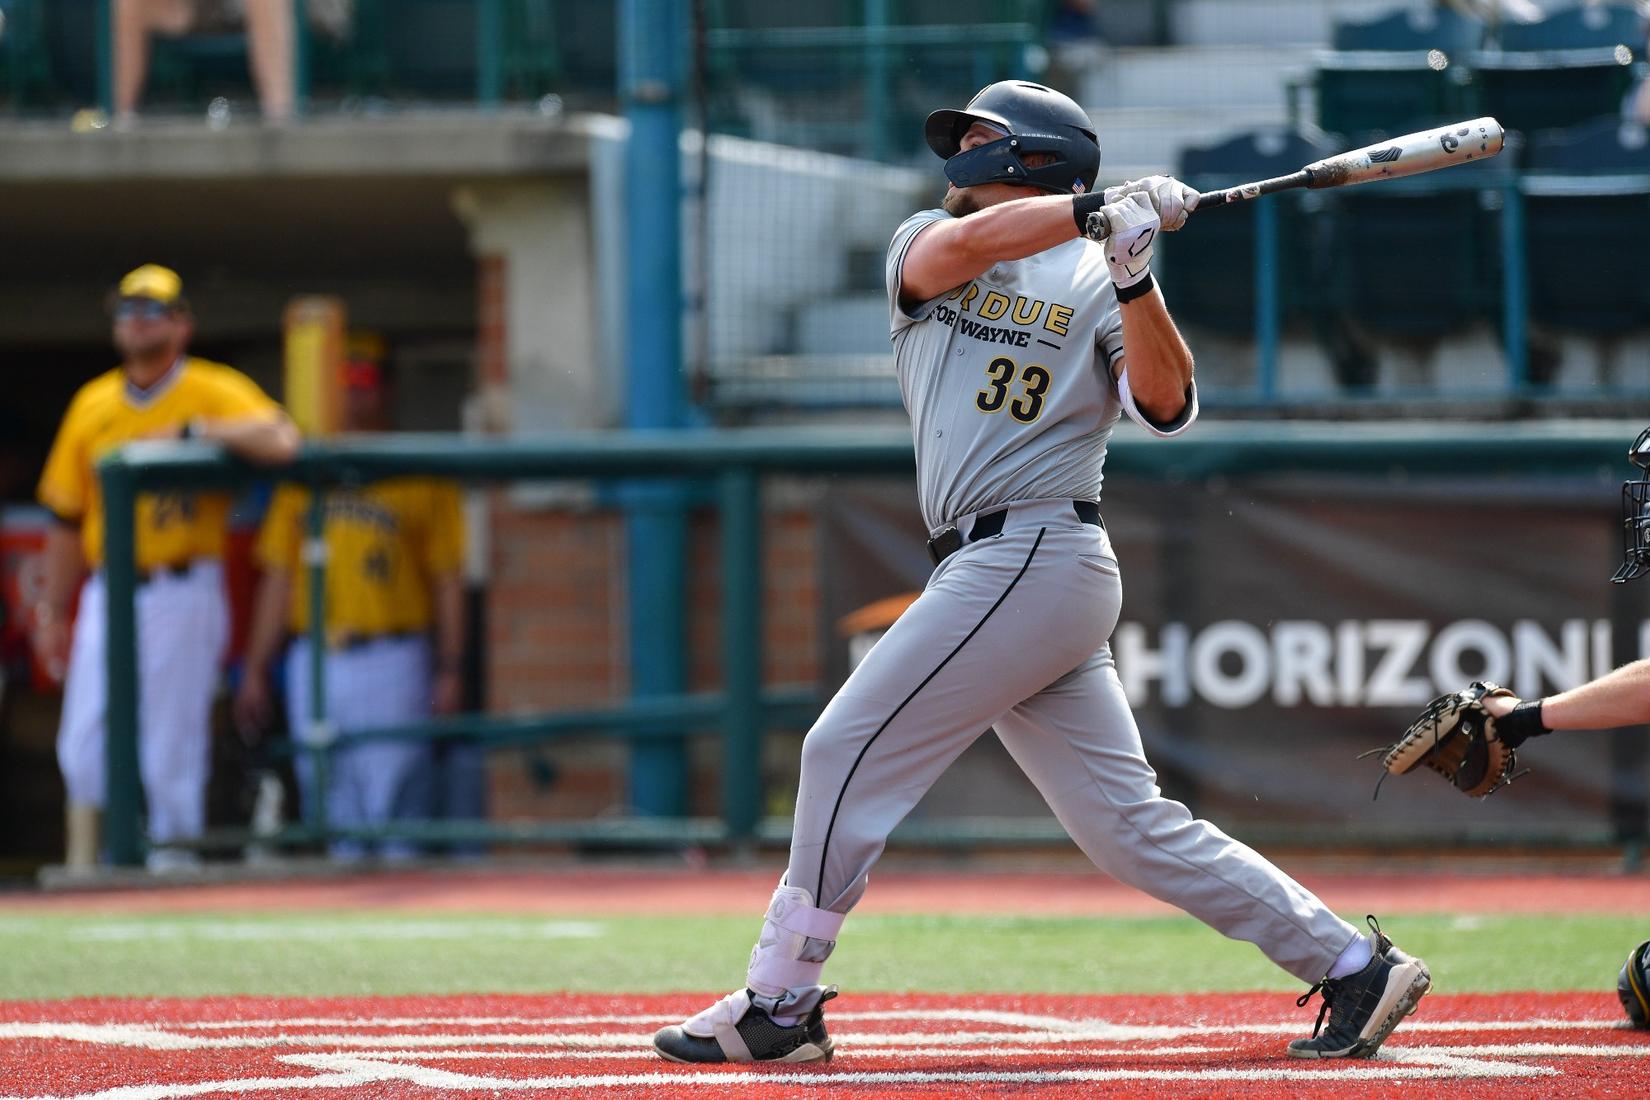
column 380, row 683
column 1012, row 632
column 182, row 626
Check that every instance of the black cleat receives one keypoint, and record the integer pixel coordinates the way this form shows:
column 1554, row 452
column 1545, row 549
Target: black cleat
column 1364, row 1007
column 735, row 1030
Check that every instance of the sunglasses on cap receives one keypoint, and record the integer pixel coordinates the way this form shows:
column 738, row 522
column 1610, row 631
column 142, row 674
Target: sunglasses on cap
column 146, row 308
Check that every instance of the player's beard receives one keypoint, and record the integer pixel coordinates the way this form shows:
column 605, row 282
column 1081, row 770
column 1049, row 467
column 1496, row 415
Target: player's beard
column 147, row 346
column 960, row 202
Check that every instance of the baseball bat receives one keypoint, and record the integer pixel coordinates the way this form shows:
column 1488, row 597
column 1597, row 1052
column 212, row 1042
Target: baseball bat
column 1409, row 155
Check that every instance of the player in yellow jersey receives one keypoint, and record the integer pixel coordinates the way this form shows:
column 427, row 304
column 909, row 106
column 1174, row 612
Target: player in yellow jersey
column 158, row 392
column 394, row 627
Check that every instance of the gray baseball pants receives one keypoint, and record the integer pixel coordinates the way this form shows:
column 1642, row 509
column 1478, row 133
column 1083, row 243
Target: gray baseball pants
column 1011, row 632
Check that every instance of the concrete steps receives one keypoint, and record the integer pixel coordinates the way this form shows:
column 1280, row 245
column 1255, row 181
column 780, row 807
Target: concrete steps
column 1270, row 23
column 1138, row 141
column 1195, row 77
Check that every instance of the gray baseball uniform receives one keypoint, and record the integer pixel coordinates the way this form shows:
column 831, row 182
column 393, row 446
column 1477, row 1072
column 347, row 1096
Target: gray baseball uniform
column 1009, row 385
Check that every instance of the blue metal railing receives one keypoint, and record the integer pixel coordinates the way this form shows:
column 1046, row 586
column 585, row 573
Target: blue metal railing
column 743, row 709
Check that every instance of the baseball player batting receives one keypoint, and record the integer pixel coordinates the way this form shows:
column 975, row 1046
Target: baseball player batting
column 1018, row 344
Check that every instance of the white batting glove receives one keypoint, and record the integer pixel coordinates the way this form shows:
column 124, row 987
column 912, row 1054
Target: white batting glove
column 1132, row 225
column 1172, row 199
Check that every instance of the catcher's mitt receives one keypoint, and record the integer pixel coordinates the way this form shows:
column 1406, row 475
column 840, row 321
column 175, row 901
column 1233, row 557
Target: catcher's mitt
column 1455, row 737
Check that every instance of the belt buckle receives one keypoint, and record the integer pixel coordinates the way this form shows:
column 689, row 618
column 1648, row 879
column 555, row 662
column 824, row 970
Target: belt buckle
column 946, row 543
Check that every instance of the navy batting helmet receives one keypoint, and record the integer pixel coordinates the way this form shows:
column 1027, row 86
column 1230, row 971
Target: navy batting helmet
column 1037, row 120
column 1633, row 985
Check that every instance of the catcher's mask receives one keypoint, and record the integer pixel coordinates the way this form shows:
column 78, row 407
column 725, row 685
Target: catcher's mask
column 1633, row 985
column 1036, row 120
column 1635, row 514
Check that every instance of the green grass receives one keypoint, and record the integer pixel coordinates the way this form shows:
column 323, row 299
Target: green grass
column 344, row 954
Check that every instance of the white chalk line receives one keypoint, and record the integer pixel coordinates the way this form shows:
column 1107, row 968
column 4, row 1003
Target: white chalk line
column 354, row 1070
column 330, row 931
column 379, row 1058
column 976, row 1015
column 861, row 1049
column 961, row 1015
column 159, row 1037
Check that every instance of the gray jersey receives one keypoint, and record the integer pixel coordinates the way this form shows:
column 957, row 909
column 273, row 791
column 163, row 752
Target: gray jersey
column 1008, row 378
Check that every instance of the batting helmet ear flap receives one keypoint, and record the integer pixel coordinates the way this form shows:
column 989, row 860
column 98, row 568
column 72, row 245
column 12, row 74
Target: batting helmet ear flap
column 1633, row 985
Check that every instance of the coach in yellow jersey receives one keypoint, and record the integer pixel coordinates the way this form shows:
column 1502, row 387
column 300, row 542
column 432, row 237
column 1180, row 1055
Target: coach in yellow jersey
column 158, row 392
column 394, row 632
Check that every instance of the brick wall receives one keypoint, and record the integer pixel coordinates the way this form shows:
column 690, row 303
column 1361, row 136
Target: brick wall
column 557, row 636
column 492, row 360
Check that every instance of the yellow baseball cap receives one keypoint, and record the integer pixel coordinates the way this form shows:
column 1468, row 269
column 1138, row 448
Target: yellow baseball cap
column 152, row 281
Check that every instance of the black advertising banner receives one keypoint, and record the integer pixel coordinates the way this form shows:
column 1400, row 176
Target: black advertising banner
column 1275, row 628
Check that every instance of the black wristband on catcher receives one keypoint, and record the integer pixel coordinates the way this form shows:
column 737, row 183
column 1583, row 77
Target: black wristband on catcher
column 1520, row 724
column 1084, row 205
column 1138, row 290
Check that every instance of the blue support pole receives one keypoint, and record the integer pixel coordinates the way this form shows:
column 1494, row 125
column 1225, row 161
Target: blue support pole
column 318, row 744
column 742, row 652
column 123, row 797
column 104, row 50
column 877, row 79
column 300, row 57
column 490, row 52
column 1268, row 303
column 1514, row 292
column 652, row 39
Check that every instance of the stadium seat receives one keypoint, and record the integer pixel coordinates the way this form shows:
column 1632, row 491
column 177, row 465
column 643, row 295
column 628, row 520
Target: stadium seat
column 1410, row 29
column 45, row 62
column 1572, row 67
column 1212, row 271
column 192, row 68
column 1420, row 263
column 1578, row 28
column 587, row 43
column 532, row 49
column 1587, row 211
column 358, row 66
column 789, row 70
column 1395, row 74
column 25, row 64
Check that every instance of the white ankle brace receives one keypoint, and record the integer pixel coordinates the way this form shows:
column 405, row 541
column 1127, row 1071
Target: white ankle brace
column 796, row 940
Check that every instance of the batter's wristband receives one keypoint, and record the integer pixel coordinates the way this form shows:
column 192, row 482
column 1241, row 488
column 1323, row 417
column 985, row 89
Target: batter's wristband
column 1520, row 724
column 1136, row 290
column 1084, row 205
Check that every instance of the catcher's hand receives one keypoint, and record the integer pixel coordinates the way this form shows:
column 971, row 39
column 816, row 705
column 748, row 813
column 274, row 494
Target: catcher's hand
column 1455, row 737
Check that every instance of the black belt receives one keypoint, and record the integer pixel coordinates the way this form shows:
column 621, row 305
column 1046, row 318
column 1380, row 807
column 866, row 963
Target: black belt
column 357, row 641
column 175, row 569
column 988, row 525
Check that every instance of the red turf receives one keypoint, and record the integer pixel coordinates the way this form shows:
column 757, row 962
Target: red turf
column 1533, row 1046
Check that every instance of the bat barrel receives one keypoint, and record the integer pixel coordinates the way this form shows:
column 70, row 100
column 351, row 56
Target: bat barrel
column 1411, row 154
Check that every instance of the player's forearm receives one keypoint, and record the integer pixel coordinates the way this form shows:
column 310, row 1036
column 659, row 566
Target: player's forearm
column 449, row 622
column 266, row 441
column 63, row 566
column 948, row 254
column 1016, row 229
column 1621, row 698
column 268, row 626
column 1160, row 363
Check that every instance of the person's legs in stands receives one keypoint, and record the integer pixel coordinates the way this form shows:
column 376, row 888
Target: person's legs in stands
column 135, row 21
column 269, row 32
